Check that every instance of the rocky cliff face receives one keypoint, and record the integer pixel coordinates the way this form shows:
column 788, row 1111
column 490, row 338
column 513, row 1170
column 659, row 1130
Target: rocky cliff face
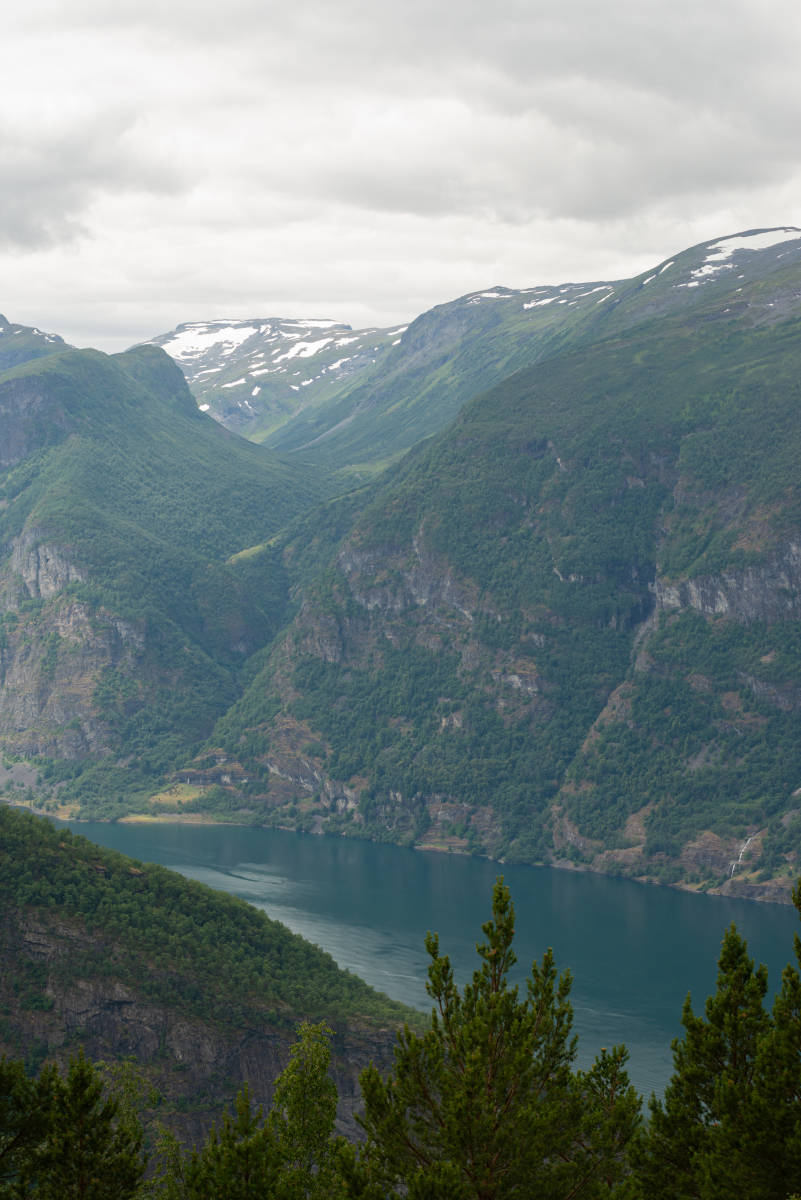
column 53, row 651
column 768, row 592
column 200, row 1065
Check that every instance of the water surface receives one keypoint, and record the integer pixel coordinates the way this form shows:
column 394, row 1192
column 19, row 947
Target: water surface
column 634, row 951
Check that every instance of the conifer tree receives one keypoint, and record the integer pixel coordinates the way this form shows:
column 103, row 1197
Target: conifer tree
column 730, row 1121
column 486, row 1105
column 87, row 1152
column 293, row 1154
column 237, row 1162
column 24, row 1105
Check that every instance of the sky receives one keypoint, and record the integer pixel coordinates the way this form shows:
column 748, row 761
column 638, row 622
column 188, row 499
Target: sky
column 364, row 160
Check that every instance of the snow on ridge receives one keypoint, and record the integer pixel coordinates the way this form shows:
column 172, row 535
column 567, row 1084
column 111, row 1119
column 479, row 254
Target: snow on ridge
column 751, row 241
column 193, row 340
column 315, row 324
column 718, row 253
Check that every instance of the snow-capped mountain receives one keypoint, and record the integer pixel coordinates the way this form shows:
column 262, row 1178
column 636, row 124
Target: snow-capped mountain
column 254, row 374
column 362, row 397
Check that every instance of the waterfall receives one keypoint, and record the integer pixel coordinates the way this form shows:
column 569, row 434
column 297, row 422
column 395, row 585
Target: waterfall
column 743, row 849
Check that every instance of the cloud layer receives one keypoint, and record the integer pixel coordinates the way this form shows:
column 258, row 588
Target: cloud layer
column 363, row 160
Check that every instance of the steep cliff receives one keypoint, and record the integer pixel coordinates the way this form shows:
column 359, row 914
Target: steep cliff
column 87, row 960
column 123, row 625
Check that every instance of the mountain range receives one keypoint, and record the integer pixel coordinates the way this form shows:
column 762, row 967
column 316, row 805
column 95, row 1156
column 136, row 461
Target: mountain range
column 519, row 579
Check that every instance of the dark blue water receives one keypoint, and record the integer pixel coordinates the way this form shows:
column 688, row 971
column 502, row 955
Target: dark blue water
column 634, row 951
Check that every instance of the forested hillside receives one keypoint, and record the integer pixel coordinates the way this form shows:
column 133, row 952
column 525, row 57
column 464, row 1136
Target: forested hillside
column 202, row 990
column 485, row 1103
column 123, row 624
column 566, row 629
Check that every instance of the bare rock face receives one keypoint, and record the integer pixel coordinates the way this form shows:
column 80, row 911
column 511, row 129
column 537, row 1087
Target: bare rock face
column 43, row 569
column 29, row 420
column 770, row 592
column 53, row 652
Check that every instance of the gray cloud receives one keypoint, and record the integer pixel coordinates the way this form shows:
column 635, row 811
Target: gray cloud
column 197, row 156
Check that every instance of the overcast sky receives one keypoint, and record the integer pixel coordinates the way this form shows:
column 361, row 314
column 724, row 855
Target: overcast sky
column 165, row 160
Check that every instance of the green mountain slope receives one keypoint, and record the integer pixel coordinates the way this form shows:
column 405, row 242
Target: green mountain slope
column 201, row 990
column 456, row 350
column 567, row 627
column 21, row 343
column 124, row 626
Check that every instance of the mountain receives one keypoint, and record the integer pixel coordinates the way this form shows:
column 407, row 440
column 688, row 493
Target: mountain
column 124, row 620
column 200, row 990
column 253, row 376
column 21, row 343
column 356, row 414
column 562, row 628
column 566, row 628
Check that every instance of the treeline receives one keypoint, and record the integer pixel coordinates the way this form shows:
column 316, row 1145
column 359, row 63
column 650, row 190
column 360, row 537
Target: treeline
column 485, row 1105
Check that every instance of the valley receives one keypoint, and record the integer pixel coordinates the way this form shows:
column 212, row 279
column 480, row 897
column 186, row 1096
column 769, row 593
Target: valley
column 519, row 580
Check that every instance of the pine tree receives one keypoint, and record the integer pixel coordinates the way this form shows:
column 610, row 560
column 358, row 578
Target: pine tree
column 87, row 1153
column 729, row 1121
column 24, row 1105
column 293, row 1154
column 302, row 1118
column 237, row 1162
column 486, row 1105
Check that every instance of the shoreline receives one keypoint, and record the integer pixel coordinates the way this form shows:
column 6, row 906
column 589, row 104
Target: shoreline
column 770, row 892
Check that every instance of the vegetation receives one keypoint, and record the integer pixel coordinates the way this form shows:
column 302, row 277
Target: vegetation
column 211, row 955
column 144, row 500
column 490, row 599
column 572, row 612
column 485, row 1105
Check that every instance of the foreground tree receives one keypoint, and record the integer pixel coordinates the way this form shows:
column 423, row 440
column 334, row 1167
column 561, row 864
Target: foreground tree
column 24, row 1105
column 487, row 1104
column 730, row 1120
column 85, row 1148
column 293, row 1154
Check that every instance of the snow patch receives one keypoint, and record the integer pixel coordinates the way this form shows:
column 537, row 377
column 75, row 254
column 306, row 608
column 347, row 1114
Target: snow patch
column 255, row 392
column 236, row 383
column 196, row 339
column 314, row 324
column 719, row 252
column 302, row 350
column 539, row 303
